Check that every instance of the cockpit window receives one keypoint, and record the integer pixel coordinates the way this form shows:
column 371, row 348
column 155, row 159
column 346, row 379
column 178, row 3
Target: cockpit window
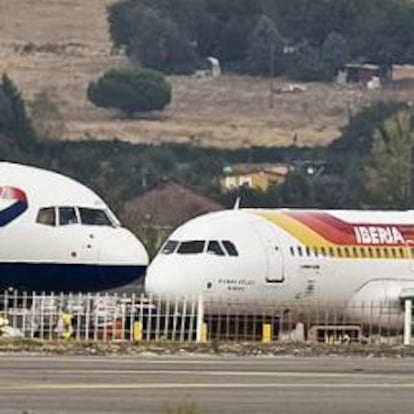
column 46, row 216
column 169, row 247
column 191, row 247
column 67, row 215
column 214, row 247
column 94, row 217
column 230, row 248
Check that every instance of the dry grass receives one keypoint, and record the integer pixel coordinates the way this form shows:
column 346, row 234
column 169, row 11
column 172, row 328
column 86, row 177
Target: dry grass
column 71, row 46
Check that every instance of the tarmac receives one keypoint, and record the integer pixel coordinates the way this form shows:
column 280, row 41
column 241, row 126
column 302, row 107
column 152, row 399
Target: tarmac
column 192, row 384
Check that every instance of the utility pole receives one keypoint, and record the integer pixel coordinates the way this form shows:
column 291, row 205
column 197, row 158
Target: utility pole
column 271, row 72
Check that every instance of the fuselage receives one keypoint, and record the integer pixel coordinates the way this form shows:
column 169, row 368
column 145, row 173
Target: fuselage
column 251, row 258
column 58, row 235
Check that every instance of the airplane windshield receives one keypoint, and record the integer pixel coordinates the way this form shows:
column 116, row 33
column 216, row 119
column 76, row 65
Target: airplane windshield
column 169, row 247
column 94, row 217
column 230, row 248
column 191, row 247
column 215, row 248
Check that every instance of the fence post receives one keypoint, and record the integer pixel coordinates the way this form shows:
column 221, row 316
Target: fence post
column 407, row 321
column 200, row 320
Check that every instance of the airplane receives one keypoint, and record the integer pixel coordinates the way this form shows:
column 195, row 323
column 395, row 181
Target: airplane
column 245, row 260
column 58, row 235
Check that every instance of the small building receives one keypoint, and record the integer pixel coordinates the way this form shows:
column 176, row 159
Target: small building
column 255, row 176
column 363, row 73
column 169, row 205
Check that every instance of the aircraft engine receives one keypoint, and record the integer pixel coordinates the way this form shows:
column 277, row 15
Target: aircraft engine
column 378, row 303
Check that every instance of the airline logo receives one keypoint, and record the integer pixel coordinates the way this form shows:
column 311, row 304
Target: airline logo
column 378, row 235
column 13, row 203
column 321, row 229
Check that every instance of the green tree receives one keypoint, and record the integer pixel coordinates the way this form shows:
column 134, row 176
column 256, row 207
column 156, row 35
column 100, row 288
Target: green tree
column 152, row 38
column 265, row 51
column 14, row 121
column 388, row 173
column 307, row 65
column 131, row 90
column 335, row 52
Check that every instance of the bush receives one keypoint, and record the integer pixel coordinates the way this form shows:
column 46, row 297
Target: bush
column 131, row 90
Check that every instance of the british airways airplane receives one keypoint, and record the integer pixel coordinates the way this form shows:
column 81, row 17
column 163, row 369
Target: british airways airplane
column 247, row 259
column 58, row 235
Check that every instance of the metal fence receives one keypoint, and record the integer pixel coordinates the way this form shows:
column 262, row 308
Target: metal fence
column 137, row 318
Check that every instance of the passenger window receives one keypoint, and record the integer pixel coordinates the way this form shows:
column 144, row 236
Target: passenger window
column 215, row 248
column 355, row 252
column 300, row 253
column 46, row 216
column 191, row 247
column 394, row 253
column 347, row 252
column 401, row 253
column 230, row 248
column 339, row 252
column 292, row 251
column 370, row 253
column 331, row 252
column 378, row 252
column 323, row 251
column 385, row 252
column 307, row 251
column 362, row 251
column 67, row 215
column 315, row 251
column 94, row 217
column 169, row 247
column 412, row 252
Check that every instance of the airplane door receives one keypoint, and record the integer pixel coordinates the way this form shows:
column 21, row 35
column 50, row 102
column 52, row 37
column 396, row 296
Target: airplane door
column 274, row 272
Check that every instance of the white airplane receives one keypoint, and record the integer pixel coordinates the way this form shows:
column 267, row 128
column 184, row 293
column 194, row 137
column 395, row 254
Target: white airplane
column 244, row 260
column 58, row 235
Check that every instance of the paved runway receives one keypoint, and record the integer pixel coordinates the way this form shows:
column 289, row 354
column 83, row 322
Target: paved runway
column 282, row 385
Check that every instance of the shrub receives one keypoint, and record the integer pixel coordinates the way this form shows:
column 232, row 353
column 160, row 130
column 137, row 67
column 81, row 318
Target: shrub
column 131, row 90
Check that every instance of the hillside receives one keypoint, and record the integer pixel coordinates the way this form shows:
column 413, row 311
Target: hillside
column 61, row 45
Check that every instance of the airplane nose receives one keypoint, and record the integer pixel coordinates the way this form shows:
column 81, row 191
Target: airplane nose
column 123, row 248
column 154, row 283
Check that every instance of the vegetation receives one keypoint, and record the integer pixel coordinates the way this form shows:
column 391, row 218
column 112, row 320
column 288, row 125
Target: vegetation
column 305, row 39
column 388, row 173
column 369, row 166
column 15, row 124
column 131, row 90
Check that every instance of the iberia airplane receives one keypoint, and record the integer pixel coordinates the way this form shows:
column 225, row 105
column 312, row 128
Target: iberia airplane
column 58, row 235
column 250, row 258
